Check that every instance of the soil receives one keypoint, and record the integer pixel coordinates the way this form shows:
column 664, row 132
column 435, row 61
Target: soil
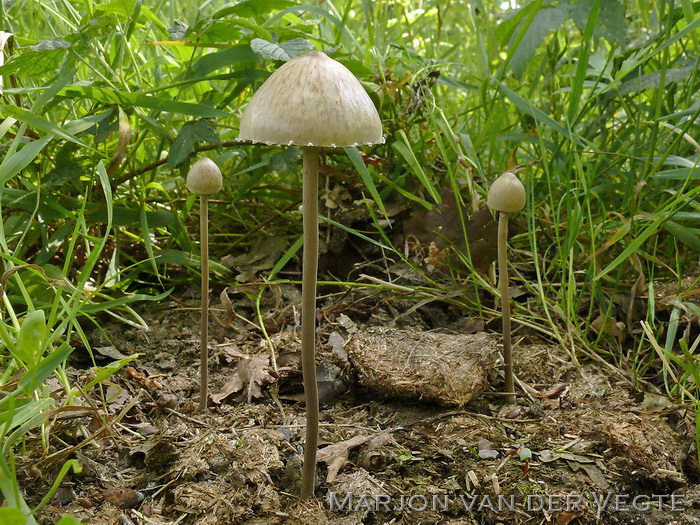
column 580, row 429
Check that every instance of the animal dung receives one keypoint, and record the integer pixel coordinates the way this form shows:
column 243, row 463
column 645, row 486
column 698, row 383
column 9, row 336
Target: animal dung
column 447, row 369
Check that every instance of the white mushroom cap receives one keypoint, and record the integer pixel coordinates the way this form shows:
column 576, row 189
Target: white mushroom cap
column 312, row 100
column 204, row 177
column 506, row 194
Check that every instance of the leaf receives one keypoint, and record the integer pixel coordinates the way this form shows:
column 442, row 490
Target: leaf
column 191, row 132
column 123, row 98
column 50, row 45
column 611, row 19
column 226, row 58
column 31, row 338
column 547, row 19
column 121, row 7
column 678, row 174
column 356, row 159
column 687, row 236
column 253, row 372
column 13, row 164
column 38, row 123
column 37, row 60
column 105, row 372
column 69, row 520
column 36, row 375
column 283, row 51
column 404, row 148
column 178, row 31
column 50, row 209
column 539, row 115
column 653, row 80
column 248, row 8
column 286, row 160
column 10, row 516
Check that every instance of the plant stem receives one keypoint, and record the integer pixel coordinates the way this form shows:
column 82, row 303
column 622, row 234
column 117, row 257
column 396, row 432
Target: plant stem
column 308, row 317
column 204, row 322
column 505, row 304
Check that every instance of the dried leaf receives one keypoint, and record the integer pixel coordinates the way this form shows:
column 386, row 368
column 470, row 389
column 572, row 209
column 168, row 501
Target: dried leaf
column 253, row 373
column 336, row 455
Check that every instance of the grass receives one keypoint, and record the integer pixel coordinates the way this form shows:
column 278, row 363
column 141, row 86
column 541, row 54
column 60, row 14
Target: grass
column 597, row 99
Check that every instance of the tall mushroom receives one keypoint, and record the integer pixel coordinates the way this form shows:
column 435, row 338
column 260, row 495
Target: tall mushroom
column 204, row 179
column 506, row 195
column 313, row 102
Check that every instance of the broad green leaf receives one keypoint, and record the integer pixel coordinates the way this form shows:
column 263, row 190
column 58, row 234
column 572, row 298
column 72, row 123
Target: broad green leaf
column 105, row 372
column 210, row 62
column 36, row 61
column 285, row 160
column 611, row 20
column 36, row 375
column 653, row 80
column 678, row 174
column 31, row 338
column 547, row 19
column 10, row 516
column 125, row 99
column 120, row 7
column 248, row 8
column 281, row 51
column 191, row 133
column 687, row 236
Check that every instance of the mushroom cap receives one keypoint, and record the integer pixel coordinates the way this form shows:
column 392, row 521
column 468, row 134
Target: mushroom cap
column 204, row 177
column 506, row 194
column 312, row 100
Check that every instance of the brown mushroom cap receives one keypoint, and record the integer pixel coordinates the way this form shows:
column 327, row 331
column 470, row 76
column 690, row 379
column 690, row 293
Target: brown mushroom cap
column 312, row 100
column 506, row 194
column 204, row 177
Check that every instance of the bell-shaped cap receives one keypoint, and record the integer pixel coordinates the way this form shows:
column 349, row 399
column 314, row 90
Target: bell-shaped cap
column 312, row 100
column 506, row 194
column 204, row 177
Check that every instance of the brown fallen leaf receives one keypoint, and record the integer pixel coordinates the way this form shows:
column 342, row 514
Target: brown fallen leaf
column 553, row 392
column 123, row 498
column 140, row 377
column 336, row 455
column 252, row 372
column 566, row 517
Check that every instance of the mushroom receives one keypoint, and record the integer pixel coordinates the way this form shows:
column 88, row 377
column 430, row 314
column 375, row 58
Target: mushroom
column 204, row 179
column 506, row 195
column 313, row 102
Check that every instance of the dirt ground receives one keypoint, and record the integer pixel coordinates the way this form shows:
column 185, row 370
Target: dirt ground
column 582, row 445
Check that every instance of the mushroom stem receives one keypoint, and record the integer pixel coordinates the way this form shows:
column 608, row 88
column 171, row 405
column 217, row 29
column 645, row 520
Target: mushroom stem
column 308, row 317
column 505, row 304
column 204, row 322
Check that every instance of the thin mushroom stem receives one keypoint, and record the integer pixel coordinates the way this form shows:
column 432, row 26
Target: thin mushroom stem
column 204, row 322
column 308, row 317
column 505, row 304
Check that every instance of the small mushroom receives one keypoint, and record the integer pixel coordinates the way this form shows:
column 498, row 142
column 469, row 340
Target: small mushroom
column 314, row 102
column 506, row 195
column 204, row 179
